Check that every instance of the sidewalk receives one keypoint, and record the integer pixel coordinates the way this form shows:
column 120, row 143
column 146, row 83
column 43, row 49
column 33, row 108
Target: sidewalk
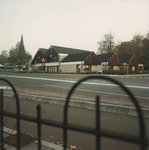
column 27, row 141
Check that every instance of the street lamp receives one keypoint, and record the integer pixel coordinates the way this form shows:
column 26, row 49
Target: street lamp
column 127, row 66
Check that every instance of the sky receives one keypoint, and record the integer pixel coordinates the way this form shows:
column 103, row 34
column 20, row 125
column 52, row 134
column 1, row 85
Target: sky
column 76, row 24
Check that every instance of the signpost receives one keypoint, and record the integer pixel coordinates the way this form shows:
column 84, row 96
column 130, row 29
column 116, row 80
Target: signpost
column 99, row 68
column 43, row 63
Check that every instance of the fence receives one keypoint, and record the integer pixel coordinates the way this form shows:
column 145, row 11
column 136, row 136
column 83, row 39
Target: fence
column 141, row 140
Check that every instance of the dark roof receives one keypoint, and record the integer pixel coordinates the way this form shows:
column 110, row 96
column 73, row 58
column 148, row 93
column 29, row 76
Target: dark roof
column 76, row 57
column 125, row 58
column 43, row 50
column 66, row 50
column 105, row 57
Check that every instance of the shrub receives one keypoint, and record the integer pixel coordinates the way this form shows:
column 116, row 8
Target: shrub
column 120, row 72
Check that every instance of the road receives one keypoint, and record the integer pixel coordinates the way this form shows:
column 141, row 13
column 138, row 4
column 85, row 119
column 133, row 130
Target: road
column 109, row 92
column 109, row 121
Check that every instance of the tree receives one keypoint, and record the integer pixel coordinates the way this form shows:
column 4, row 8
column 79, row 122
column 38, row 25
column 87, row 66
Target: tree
column 4, row 57
column 144, row 55
column 139, row 46
column 18, row 55
column 107, row 45
column 124, row 48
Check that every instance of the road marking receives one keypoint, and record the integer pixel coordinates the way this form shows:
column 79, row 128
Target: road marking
column 95, row 91
column 71, row 81
column 3, row 87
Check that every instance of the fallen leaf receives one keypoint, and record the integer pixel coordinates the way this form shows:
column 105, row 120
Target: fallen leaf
column 52, row 137
column 73, row 147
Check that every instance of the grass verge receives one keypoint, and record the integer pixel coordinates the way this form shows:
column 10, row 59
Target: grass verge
column 47, row 75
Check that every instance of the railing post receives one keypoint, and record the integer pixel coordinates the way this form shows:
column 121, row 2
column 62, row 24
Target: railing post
column 2, row 140
column 39, row 126
column 97, row 124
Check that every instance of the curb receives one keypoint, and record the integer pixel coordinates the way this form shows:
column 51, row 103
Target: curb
column 131, row 111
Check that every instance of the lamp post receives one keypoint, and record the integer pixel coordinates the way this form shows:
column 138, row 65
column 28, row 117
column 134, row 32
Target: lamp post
column 127, row 66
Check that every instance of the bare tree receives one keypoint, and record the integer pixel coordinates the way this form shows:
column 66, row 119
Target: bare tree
column 107, row 45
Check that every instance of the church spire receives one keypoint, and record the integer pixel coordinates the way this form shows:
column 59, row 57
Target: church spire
column 22, row 43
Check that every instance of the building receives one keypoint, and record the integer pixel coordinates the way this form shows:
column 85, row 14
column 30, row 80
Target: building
column 80, row 63
column 59, row 59
column 131, row 62
column 110, row 61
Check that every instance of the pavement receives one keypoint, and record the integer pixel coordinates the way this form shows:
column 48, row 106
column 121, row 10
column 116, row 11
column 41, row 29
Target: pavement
column 27, row 142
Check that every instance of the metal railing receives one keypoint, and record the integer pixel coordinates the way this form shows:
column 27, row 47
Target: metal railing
column 140, row 140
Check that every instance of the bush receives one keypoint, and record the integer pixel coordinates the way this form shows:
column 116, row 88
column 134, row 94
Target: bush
column 120, row 72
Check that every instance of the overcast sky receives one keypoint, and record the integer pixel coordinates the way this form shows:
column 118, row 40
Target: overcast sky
column 70, row 23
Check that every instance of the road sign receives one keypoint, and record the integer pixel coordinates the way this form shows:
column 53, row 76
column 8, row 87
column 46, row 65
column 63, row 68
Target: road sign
column 99, row 68
column 43, row 64
column 43, row 60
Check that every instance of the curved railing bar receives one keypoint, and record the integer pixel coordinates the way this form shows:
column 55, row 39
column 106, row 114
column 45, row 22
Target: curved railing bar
column 18, row 111
column 141, row 120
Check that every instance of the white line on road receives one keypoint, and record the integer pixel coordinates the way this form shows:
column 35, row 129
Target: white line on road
column 71, row 81
column 95, row 91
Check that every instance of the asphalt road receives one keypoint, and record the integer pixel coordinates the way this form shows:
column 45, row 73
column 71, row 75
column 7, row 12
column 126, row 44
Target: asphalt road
column 109, row 121
column 109, row 92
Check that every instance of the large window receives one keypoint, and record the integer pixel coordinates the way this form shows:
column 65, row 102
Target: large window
column 52, row 59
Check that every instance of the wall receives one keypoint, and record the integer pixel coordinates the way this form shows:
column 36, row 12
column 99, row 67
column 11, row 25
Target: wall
column 30, row 69
column 68, row 68
column 116, row 67
column 52, row 69
column 61, row 57
column 93, row 68
column 133, row 68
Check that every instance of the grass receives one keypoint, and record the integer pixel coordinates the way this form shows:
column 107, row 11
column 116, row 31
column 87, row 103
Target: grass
column 48, row 75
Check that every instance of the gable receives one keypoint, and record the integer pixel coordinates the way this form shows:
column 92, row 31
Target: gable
column 114, row 61
column 92, row 59
column 43, row 50
column 133, row 61
column 39, row 54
